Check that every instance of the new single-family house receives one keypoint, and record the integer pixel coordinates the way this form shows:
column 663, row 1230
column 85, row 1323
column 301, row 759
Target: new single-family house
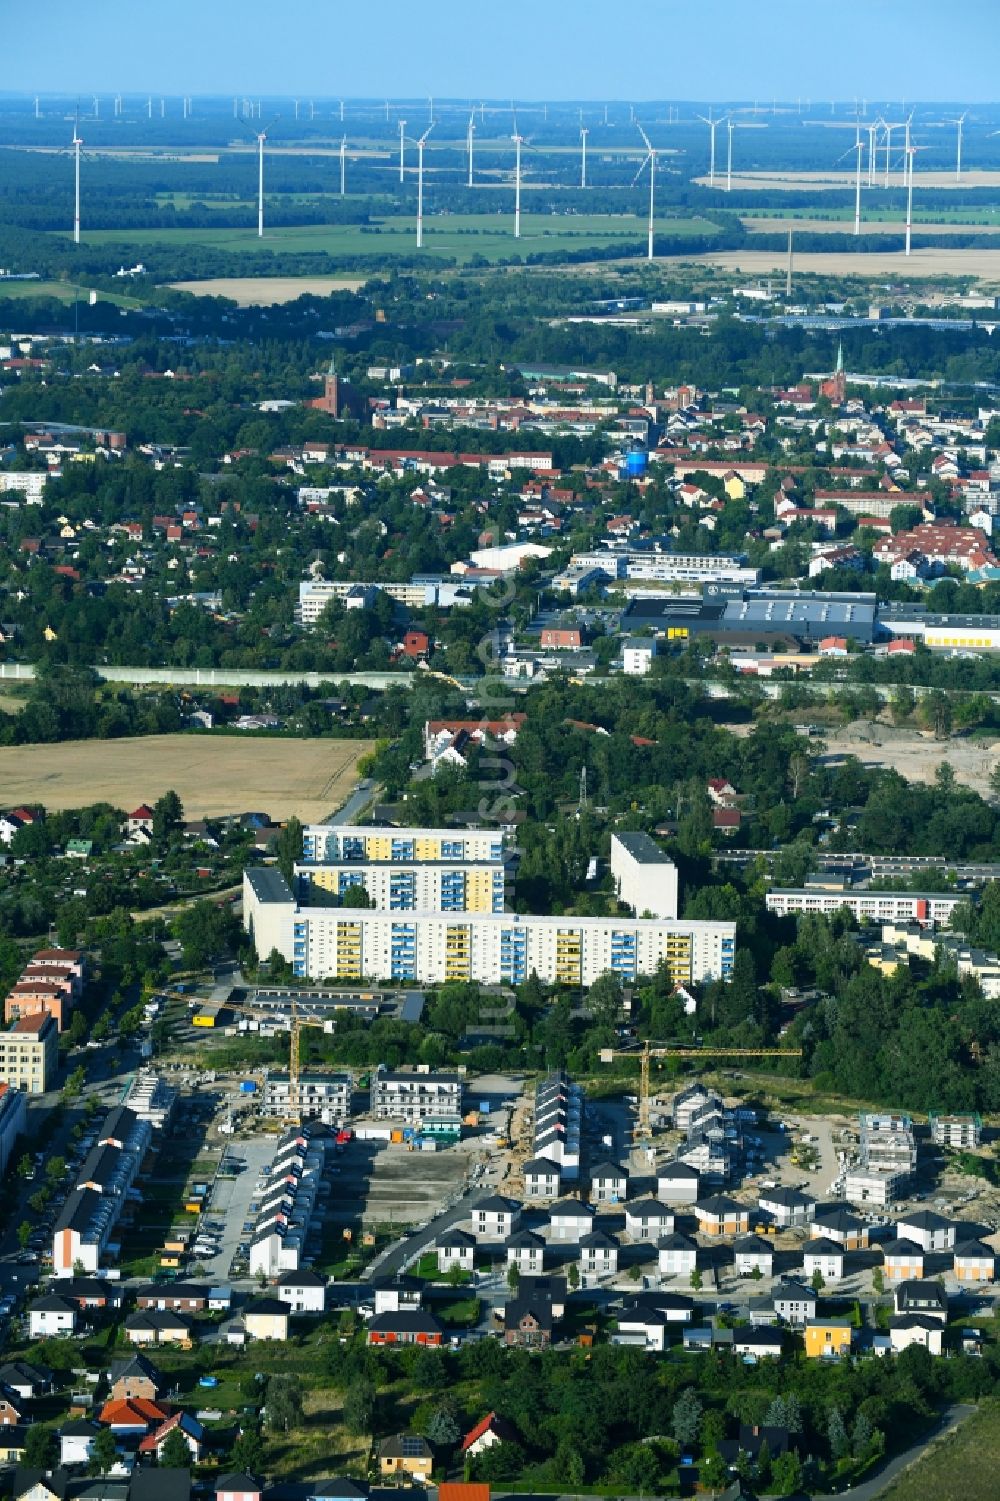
column 752, row 1253
column 823, row 1256
column 455, row 1248
column 648, row 1219
column 721, row 1215
column 827, row 1339
column 677, row 1255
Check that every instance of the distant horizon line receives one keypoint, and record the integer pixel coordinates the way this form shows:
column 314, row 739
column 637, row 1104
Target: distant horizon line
column 765, row 103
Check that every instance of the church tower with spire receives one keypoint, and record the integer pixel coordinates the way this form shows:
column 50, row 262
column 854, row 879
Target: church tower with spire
column 835, row 389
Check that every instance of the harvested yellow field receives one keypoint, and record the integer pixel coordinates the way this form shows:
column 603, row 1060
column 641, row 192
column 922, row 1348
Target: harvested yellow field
column 896, row 227
column 824, row 181
column 984, row 265
column 267, row 291
column 211, row 775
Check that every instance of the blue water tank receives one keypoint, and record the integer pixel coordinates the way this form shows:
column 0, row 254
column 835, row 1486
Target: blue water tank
column 636, row 463
column 248, row 1086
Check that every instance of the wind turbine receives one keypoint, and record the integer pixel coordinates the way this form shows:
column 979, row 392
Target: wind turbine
column 77, row 143
column 859, row 148
column 707, row 120
column 343, row 166
column 888, row 149
column 651, row 159
column 908, row 173
column 729, row 155
column 468, row 139
column 958, row 152
column 402, row 158
column 872, row 130
column 518, row 140
column 37, row 116
column 420, row 185
column 262, row 137
column 584, row 133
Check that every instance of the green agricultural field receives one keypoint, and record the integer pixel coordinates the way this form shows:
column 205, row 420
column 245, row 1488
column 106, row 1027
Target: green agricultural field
column 63, row 290
column 962, row 1467
column 458, row 236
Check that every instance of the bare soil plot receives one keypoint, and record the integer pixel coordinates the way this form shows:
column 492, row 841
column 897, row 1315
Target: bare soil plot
column 267, row 291
column 939, row 261
column 915, row 754
column 211, row 775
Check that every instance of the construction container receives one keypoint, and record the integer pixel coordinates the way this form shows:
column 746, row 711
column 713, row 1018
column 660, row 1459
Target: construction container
column 472, row 1119
column 396, row 1136
column 248, row 1086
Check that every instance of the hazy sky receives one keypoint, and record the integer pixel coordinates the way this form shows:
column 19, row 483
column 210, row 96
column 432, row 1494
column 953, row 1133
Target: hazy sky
column 530, row 49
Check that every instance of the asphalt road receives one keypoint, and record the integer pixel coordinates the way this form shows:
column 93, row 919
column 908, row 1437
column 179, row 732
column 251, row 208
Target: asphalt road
column 402, row 1253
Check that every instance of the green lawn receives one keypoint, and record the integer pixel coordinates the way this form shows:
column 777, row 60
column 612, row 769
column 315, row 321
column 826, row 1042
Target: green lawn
column 963, row 1467
column 461, row 236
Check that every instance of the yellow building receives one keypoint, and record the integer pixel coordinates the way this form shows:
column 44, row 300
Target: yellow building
column 827, row 1340
column 266, row 1318
column 406, row 1454
column 734, row 486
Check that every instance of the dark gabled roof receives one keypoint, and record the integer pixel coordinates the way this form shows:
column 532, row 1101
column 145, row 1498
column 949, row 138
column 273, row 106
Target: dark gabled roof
column 24, row 1478
column 574, row 1208
column 13, row 1435
column 78, row 1210
column 675, row 1242
column 971, row 1249
column 925, row 1219
column 172, row 1290
column 652, row 1307
column 835, row 1218
column 405, row 1446
column 752, row 1245
column 406, row 1321
column 496, row 1204
column 788, row 1198
column 537, row 1304
column 135, row 1365
column 764, row 1339
column 677, row 1169
column 902, row 1247
column 793, row 1291
column 119, row 1123
column 266, row 1305
column 607, row 1169
column 914, row 1321
column 21, row 1373
column 155, row 1483
column 455, row 1237
column 79, row 1428
column 525, row 1240
column 598, row 1240
column 52, row 1303
column 304, row 1278
column 648, row 1206
column 721, row 1205
column 820, row 1246
column 541, row 1166
column 236, row 1480
column 922, row 1290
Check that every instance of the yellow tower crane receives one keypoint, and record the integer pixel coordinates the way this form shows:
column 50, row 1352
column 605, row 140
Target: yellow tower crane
column 648, row 1051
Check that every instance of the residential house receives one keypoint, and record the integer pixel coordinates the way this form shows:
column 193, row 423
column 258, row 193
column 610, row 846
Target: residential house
column 823, row 1256
column 181, row 1297
column 721, row 1215
column 541, row 1179
column 907, row 1329
column 131, row 1417
column 187, row 1426
column 496, row 1218
column 677, row 1256
column 598, row 1256
column 753, row 1437
column 51, row 1315
column 406, row 1327
column 235, row 1485
column 752, row 1253
column 922, row 1296
column 487, row 1432
column 608, row 1183
column 794, row 1302
column 135, row 1376
column 526, row 1251
column 648, row 1219
column 304, row 1291
column 25, row 1380
column 930, row 1231
column 155, row 1327
column 75, row 1439
column 827, row 1339
column 39, row 1485
column 645, row 1320
column 903, row 1260
column 758, row 1343
column 785, row 1207
column 570, row 1220
column 405, row 1454
column 528, row 1320
column 841, row 1226
column 266, row 1318
column 974, row 1262
column 11, row 1410
column 677, row 1183
column 456, row 1248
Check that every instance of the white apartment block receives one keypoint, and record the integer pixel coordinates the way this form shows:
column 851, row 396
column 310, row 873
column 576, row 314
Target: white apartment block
column 324, row 1097
column 492, row 947
column 867, row 906
column 667, row 567
column 645, row 878
column 414, row 1095
column 637, row 656
column 399, row 886
column 287, row 1205
column 344, row 844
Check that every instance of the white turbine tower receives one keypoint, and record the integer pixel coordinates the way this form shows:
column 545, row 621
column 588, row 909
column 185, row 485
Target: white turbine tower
column 77, row 143
column 518, row 143
column 420, row 186
column 260, row 184
column 888, row 150
column 468, row 143
column 859, row 148
column 960, row 122
column 402, row 150
column 651, row 159
column 872, row 130
column 908, row 174
column 729, row 155
column 343, row 166
column 584, row 133
column 707, row 120
column 37, row 116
